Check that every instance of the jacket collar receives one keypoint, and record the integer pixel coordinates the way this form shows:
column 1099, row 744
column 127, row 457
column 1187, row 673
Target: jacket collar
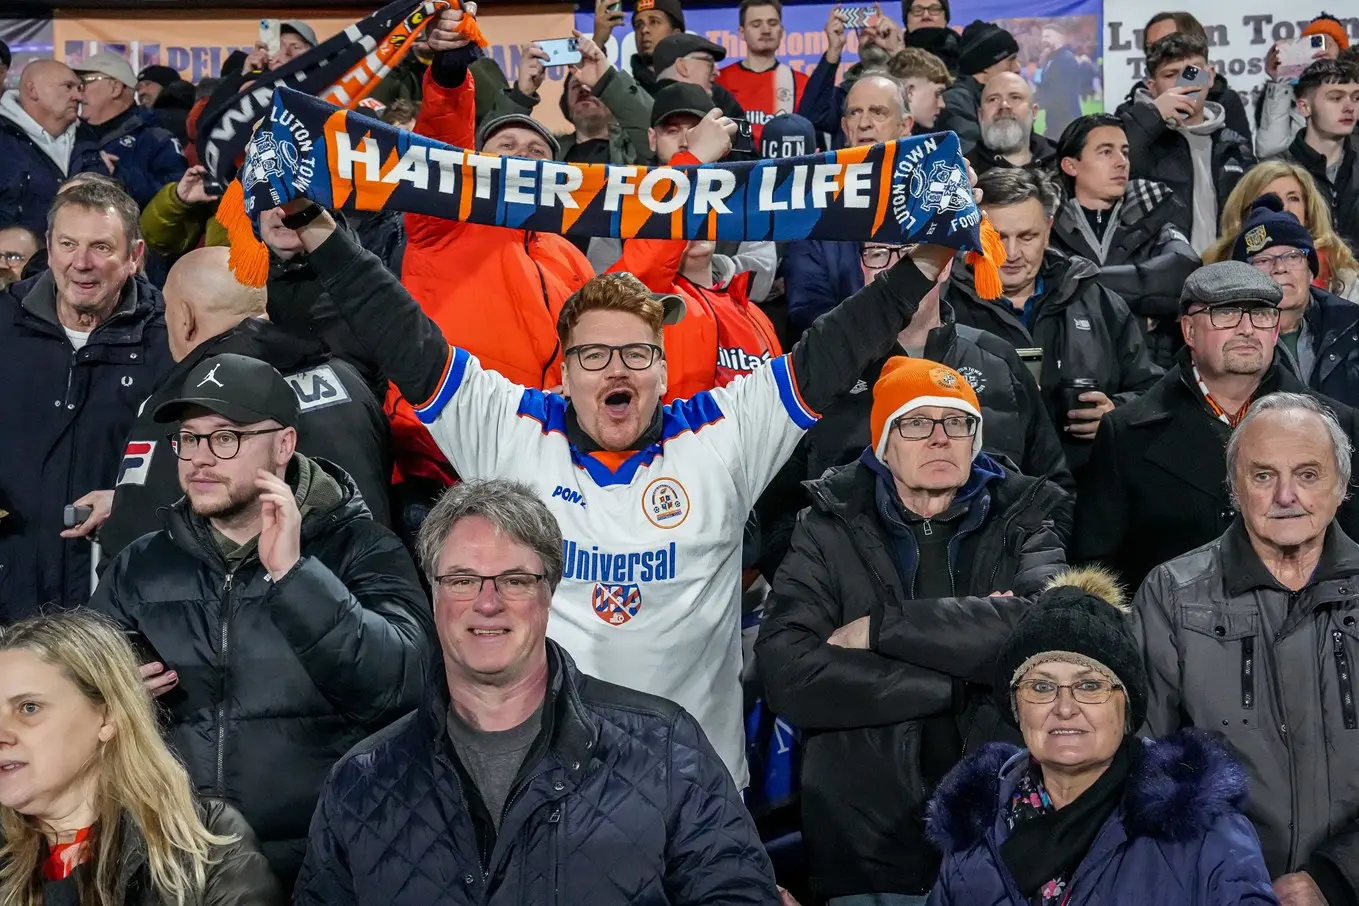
column 41, row 299
column 1062, row 274
column 1244, row 571
column 1180, row 786
column 1040, row 147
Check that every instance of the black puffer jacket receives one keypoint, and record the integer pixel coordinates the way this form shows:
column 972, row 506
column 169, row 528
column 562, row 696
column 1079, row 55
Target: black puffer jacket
column 277, row 680
column 962, row 101
column 984, row 159
column 1085, row 331
column 338, row 420
column 864, row 788
column 1143, row 256
column 620, row 800
column 1342, row 195
column 237, row 875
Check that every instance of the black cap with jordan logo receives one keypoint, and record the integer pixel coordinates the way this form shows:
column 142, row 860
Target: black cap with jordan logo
column 236, row 387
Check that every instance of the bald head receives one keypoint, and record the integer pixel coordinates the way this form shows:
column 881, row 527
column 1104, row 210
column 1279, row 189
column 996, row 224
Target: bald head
column 1006, row 113
column 49, row 91
column 203, row 299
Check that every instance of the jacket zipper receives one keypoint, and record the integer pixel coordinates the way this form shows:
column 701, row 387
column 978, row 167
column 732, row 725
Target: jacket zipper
column 554, row 822
column 222, row 700
column 1248, row 673
column 1342, row 667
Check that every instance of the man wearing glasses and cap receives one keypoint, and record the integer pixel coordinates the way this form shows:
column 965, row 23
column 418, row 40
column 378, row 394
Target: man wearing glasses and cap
column 1156, row 484
column 280, row 625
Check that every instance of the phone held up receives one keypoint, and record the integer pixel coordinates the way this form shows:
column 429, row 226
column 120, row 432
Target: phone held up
column 560, row 52
column 856, row 16
column 271, row 35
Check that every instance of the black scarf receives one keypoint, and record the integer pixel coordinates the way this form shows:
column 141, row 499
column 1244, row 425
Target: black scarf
column 1053, row 845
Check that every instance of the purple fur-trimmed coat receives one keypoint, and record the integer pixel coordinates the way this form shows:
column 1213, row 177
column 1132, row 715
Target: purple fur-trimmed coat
column 1178, row 838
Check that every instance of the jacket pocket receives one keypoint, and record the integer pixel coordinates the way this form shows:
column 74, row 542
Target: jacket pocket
column 1221, row 665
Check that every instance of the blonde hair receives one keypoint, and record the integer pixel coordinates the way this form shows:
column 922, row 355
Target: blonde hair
column 1317, row 221
column 139, row 779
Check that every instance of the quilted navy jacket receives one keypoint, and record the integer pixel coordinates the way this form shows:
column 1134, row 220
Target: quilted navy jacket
column 621, row 800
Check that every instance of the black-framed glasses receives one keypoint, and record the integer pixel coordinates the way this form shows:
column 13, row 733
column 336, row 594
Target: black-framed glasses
column 882, row 255
column 224, row 443
column 919, row 427
column 920, row 10
column 1086, row 691
column 1270, row 263
column 597, row 356
column 514, row 586
column 1225, row 317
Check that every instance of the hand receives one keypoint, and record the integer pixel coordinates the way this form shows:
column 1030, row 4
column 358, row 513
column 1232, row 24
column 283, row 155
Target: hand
column 100, row 504
column 1272, row 68
column 1002, row 594
column 710, row 140
column 786, row 898
column 190, row 188
column 258, row 59
column 593, row 64
column 851, row 635
column 157, row 679
column 835, row 36
column 531, row 68
column 280, row 544
column 935, row 262
column 1085, row 422
column 606, row 20
column 110, row 161
column 972, row 181
column 442, row 35
column 1298, row 889
column 885, row 33
column 1176, row 103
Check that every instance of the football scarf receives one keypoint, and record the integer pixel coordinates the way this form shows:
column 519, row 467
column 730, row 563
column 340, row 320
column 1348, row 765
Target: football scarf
column 343, row 70
column 910, row 190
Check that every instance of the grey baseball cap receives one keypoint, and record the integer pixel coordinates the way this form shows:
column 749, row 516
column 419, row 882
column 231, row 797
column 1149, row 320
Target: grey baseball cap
column 299, row 28
column 494, row 124
column 1229, row 283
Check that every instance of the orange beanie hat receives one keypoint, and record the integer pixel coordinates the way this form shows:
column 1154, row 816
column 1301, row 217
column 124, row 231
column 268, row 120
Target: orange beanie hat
column 909, row 384
column 1328, row 25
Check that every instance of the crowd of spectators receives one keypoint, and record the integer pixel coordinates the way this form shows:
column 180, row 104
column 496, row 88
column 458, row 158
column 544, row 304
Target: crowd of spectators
column 461, row 563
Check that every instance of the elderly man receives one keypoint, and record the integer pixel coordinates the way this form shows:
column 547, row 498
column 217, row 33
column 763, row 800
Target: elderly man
column 295, row 625
column 1317, row 329
column 1094, row 355
column 41, row 143
column 863, row 643
column 1156, row 487
column 208, row 313
column 1253, row 636
column 141, row 155
column 499, row 787
column 1006, row 124
column 84, row 343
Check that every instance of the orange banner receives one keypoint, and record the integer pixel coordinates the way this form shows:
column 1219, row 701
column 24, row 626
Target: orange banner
column 196, row 45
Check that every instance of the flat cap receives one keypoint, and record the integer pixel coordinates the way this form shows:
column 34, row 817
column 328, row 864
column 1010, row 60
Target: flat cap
column 1229, row 282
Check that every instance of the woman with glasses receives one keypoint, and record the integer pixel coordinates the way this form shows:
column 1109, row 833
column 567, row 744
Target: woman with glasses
column 1086, row 813
column 901, row 583
column 1318, row 330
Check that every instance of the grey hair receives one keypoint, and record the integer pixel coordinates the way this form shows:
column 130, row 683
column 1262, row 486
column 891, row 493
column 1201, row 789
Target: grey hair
column 511, row 506
column 1005, row 186
column 95, row 192
column 1341, row 446
column 882, row 75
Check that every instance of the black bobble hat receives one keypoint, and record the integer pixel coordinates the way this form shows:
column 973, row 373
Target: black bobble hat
column 1079, row 618
column 984, row 44
column 1267, row 225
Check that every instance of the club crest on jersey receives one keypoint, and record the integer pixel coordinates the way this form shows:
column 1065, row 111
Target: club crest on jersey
column 616, row 604
column 665, row 503
column 136, row 462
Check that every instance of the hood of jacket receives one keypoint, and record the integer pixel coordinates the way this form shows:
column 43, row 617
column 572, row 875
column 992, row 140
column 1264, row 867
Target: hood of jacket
column 262, row 339
column 1177, row 790
column 848, row 489
column 1214, row 115
column 12, row 110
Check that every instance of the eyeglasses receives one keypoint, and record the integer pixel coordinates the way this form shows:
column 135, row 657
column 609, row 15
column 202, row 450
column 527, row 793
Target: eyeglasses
column 509, row 586
column 1086, row 691
column 597, row 356
column 12, row 257
column 1270, row 263
column 918, row 427
column 91, row 79
column 881, row 256
column 934, row 9
column 1225, row 317
column 224, row 443
column 701, row 58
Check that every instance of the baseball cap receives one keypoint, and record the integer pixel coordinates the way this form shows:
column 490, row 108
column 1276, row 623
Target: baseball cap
column 672, row 47
column 494, row 124
column 680, row 97
column 237, row 387
column 1229, row 283
column 299, row 28
column 787, row 135
column 671, row 8
column 111, row 65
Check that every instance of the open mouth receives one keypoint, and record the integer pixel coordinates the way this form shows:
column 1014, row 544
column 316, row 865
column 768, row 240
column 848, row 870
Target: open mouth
column 488, row 633
column 617, row 403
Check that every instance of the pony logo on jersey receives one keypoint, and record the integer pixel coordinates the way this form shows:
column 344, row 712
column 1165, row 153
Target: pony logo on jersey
column 665, row 503
column 136, row 462
column 616, row 604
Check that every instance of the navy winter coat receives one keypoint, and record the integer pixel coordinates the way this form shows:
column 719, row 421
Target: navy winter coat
column 1332, row 333
column 819, row 274
column 29, row 179
column 149, row 157
column 1178, row 837
column 620, row 800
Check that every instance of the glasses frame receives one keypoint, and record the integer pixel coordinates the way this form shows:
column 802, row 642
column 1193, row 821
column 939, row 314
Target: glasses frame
column 972, row 423
column 657, row 353
column 199, row 438
column 1269, row 264
column 934, row 9
column 439, row 583
column 1241, row 310
column 893, row 255
column 1020, row 687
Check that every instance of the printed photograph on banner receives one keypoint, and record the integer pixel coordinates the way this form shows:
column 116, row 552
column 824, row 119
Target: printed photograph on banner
column 1060, row 57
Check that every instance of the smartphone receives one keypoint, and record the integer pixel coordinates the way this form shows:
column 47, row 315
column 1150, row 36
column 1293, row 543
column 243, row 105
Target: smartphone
column 856, row 16
column 1194, row 77
column 615, row 9
column 1033, row 360
column 1317, row 42
column 213, row 186
column 146, row 652
column 560, row 51
column 74, row 515
column 271, row 35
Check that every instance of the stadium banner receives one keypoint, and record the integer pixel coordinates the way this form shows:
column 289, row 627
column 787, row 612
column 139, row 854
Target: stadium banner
column 27, row 39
